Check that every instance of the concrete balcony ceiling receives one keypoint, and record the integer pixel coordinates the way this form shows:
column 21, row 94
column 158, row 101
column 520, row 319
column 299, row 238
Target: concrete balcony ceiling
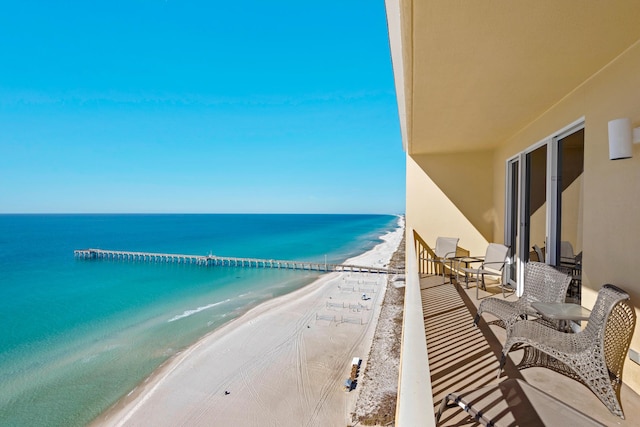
column 477, row 72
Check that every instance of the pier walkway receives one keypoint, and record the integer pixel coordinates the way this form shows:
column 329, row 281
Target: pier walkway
column 214, row 260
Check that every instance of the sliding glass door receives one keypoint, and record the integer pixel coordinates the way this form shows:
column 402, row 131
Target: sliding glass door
column 512, row 222
column 568, row 220
column 535, row 205
column 543, row 218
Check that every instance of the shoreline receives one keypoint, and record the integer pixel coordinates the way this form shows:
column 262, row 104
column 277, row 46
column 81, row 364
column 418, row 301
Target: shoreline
column 283, row 361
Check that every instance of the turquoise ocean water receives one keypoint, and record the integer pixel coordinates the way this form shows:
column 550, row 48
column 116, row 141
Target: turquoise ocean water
column 77, row 335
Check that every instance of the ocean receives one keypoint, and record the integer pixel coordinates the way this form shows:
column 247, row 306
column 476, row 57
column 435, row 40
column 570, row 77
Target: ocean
column 77, row 335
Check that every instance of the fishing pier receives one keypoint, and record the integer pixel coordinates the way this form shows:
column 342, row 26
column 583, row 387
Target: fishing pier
column 214, row 260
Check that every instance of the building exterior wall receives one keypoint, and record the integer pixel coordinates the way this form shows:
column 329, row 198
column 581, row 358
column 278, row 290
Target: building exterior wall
column 610, row 189
column 431, row 212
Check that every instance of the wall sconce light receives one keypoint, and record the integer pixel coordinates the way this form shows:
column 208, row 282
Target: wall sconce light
column 621, row 139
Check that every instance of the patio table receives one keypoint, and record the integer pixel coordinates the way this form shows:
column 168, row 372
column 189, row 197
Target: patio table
column 563, row 312
column 467, row 261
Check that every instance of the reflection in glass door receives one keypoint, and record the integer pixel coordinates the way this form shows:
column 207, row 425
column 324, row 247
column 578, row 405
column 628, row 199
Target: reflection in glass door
column 568, row 218
column 535, row 206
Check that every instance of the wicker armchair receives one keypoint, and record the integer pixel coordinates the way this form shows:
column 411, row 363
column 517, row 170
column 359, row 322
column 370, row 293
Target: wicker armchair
column 594, row 356
column 541, row 283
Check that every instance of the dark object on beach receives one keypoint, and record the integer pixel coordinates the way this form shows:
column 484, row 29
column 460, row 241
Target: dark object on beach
column 308, row 327
column 349, row 384
column 226, row 392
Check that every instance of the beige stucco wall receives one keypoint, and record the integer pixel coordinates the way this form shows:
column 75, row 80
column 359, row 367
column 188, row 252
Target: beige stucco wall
column 431, row 212
column 611, row 189
column 445, row 192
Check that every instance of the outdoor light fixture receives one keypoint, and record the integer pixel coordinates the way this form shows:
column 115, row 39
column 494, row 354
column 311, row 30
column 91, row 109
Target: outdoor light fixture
column 621, row 139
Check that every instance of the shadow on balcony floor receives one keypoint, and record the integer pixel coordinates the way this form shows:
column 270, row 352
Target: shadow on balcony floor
column 463, row 357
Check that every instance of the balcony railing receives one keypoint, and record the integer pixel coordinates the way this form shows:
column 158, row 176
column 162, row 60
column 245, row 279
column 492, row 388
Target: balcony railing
column 415, row 400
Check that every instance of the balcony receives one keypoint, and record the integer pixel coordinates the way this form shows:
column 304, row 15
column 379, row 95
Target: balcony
column 462, row 357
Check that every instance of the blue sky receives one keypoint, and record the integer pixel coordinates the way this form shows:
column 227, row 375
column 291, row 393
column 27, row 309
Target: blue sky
column 198, row 106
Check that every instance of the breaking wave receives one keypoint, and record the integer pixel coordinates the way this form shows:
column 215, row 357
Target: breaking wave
column 188, row 313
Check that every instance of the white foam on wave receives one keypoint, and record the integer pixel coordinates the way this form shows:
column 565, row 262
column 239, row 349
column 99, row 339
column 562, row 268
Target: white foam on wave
column 188, row 313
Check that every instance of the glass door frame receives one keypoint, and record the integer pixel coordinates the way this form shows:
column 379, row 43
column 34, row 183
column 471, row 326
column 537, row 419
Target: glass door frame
column 552, row 208
column 512, row 220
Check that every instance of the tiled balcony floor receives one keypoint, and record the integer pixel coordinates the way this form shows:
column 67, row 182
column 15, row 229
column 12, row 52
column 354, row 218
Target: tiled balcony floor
column 463, row 357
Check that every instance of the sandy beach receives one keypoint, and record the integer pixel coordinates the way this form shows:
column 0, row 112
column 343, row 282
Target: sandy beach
column 281, row 364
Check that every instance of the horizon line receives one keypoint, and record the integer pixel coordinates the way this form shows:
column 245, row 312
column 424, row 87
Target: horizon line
column 201, row 213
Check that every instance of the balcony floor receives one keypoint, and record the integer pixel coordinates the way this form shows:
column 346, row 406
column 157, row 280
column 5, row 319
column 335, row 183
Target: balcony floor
column 463, row 357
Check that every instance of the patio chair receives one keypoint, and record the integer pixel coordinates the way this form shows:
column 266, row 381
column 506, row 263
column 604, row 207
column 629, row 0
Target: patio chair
column 594, row 356
column 540, row 253
column 567, row 256
column 492, row 264
column 542, row 283
column 445, row 252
